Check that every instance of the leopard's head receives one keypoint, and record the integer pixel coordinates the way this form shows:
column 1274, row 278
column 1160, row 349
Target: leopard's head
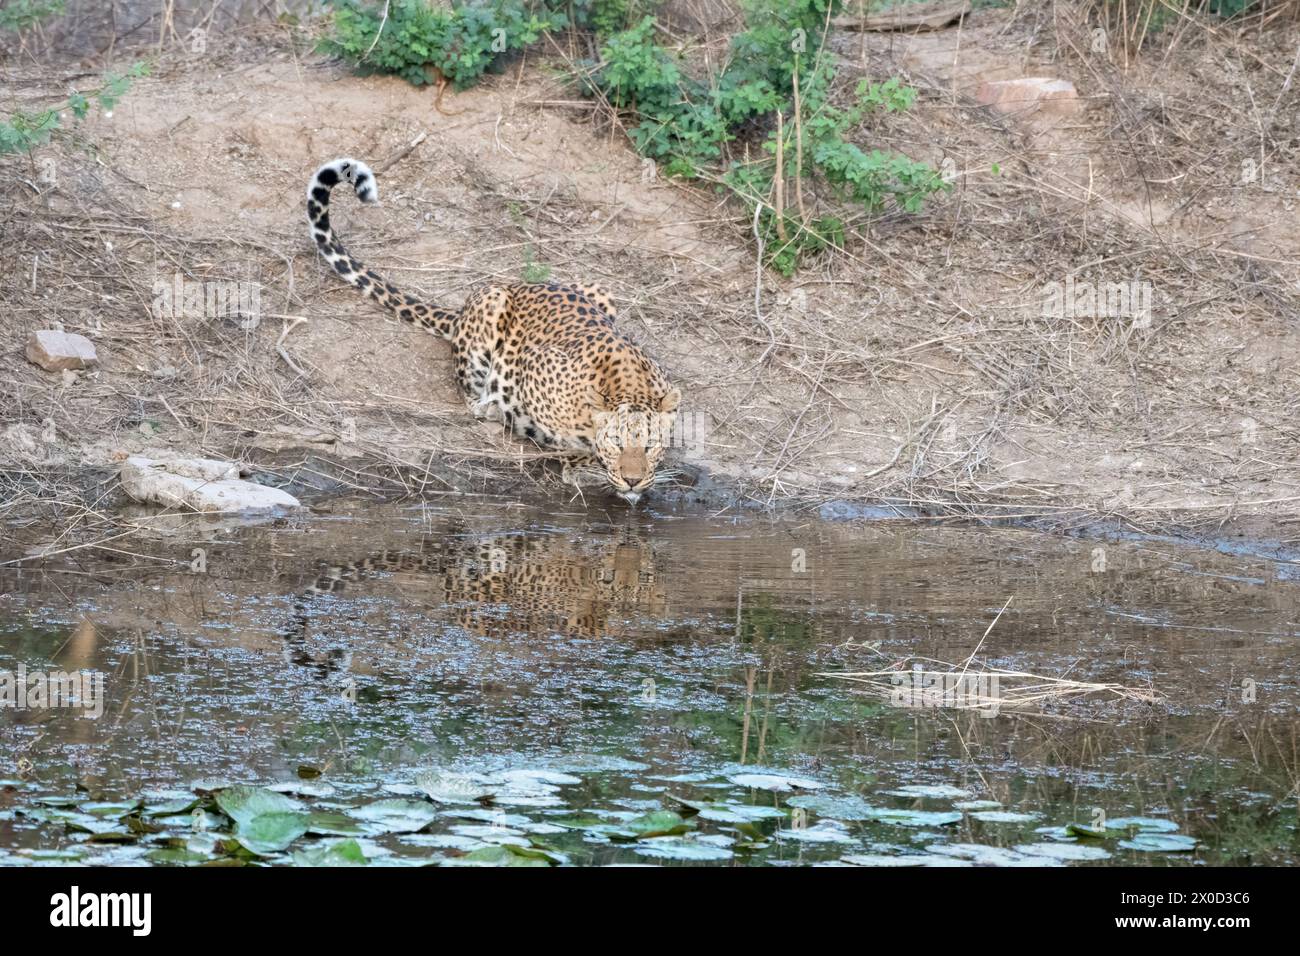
column 630, row 443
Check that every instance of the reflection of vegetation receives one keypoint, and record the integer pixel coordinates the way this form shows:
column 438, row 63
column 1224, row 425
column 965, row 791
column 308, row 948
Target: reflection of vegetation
column 761, row 622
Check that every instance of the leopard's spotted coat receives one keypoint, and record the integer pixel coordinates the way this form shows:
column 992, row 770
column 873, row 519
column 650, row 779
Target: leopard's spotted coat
column 544, row 358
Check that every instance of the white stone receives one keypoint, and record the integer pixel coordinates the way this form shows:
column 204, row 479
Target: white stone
column 198, row 484
column 54, row 350
column 1029, row 94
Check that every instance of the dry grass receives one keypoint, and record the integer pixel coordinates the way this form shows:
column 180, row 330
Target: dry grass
column 919, row 351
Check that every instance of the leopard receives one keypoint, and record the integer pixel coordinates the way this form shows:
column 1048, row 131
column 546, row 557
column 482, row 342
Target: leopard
column 545, row 359
column 496, row 585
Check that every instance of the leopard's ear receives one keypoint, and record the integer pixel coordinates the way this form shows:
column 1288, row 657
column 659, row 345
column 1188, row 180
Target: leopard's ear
column 670, row 401
column 595, row 399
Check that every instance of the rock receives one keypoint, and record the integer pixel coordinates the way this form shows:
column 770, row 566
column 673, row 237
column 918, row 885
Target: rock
column 1030, row 94
column 199, row 484
column 919, row 16
column 55, row 351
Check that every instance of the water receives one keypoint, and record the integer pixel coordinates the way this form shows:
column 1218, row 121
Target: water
column 644, row 658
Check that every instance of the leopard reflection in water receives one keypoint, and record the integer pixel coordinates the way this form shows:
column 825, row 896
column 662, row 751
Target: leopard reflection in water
column 499, row 586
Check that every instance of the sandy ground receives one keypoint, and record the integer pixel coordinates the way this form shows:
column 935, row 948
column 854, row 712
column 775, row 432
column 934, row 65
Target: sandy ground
column 915, row 367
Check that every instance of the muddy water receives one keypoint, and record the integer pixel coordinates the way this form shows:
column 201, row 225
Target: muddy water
column 645, row 657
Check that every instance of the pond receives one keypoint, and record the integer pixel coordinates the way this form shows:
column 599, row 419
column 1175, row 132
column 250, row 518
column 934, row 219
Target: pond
column 468, row 681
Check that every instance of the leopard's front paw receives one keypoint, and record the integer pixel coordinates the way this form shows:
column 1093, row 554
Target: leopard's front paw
column 484, row 410
column 575, row 469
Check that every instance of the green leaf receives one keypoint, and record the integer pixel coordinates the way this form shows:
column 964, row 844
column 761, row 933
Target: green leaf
column 1160, row 843
column 342, row 853
column 396, row 816
column 501, row 855
column 271, row 832
column 244, row 804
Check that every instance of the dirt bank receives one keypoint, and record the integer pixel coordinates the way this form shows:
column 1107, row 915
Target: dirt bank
column 917, row 366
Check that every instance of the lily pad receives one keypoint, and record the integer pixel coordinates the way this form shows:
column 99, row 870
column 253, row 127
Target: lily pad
column 1160, row 843
column 177, row 856
column 1151, row 824
column 499, row 855
column 1064, row 851
column 983, row 855
column 271, row 832
column 772, row 781
column 881, row 859
column 244, row 804
column 332, row 823
column 936, row 792
column 827, row 831
column 396, row 816
column 914, row 818
column 342, row 853
column 1082, row 830
column 681, row 848
column 660, row 823
column 447, row 787
column 840, row 808
column 1004, row 816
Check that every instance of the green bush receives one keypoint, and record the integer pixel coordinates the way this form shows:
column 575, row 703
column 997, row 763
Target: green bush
column 419, row 42
column 22, row 131
column 18, row 15
column 688, row 125
column 693, row 128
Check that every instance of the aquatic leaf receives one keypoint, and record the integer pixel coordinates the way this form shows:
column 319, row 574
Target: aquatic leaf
column 1150, row 842
column 243, row 804
column 772, row 781
column 332, row 823
column 179, row 856
column 1082, row 830
column 59, row 801
column 342, row 853
column 1061, row 834
column 729, row 812
column 914, row 818
column 271, row 832
column 840, row 808
column 164, row 806
column 977, row 805
column 827, row 831
column 937, row 792
column 585, row 822
column 447, row 787
column 984, row 855
column 740, row 813
column 493, row 816
column 304, row 788
column 499, row 855
column 490, row 834
column 657, row 824
column 396, row 816
column 879, row 859
column 535, row 777
column 107, row 809
column 1004, row 816
column 681, row 848
column 1153, row 824
column 1064, row 851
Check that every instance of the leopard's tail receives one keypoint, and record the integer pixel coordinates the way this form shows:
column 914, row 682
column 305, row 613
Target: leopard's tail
column 405, row 307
